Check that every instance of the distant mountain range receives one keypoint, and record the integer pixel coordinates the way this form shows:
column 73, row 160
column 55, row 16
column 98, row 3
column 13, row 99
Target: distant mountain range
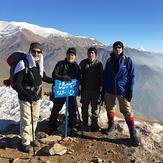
column 147, row 101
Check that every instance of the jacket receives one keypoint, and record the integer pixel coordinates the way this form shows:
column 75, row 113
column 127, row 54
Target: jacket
column 26, row 81
column 121, row 82
column 66, row 68
column 91, row 75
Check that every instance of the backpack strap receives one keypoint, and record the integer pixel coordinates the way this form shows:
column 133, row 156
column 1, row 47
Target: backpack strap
column 126, row 58
column 126, row 61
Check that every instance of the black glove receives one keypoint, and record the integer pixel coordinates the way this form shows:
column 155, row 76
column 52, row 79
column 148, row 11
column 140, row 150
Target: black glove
column 66, row 78
column 6, row 82
column 128, row 96
column 32, row 97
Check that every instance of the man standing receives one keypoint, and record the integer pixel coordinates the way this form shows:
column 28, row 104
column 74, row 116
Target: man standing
column 92, row 72
column 118, row 83
column 65, row 70
column 28, row 85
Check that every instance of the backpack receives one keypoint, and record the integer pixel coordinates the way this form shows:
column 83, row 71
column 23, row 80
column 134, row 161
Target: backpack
column 126, row 58
column 13, row 60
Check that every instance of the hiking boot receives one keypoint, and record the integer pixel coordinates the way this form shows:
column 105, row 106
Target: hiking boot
column 35, row 143
column 27, row 148
column 85, row 128
column 95, row 128
column 134, row 140
column 72, row 131
column 109, row 129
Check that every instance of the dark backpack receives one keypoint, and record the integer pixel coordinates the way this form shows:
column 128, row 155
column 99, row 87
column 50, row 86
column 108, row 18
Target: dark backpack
column 13, row 60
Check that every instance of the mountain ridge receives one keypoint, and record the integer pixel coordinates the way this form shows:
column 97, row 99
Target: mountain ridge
column 55, row 47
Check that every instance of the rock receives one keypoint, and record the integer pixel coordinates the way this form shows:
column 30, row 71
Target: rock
column 67, row 139
column 70, row 151
column 41, row 160
column 97, row 160
column 15, row 160
column 57, row 149
column 41, row 135
column 50, row 139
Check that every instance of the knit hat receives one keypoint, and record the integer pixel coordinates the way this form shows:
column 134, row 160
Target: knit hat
column 71, row 50
column 118, row 43
column 35, row 45
column 92, row 49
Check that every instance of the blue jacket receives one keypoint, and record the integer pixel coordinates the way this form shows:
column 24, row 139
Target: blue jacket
column 121, row 82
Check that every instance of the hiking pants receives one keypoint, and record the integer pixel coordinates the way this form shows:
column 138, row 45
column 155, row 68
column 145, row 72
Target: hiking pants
column 57, row 106
column 92, row 98
column 124, row 105
column 25, row 120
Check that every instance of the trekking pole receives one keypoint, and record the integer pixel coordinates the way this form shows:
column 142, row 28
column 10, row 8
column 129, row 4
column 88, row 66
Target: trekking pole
column 66, row 120
column 33, row 134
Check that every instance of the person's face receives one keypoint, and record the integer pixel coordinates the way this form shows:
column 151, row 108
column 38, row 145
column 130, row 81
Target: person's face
column 91, row 55
column 71, row 57
column 36, row 53
column 117, row 50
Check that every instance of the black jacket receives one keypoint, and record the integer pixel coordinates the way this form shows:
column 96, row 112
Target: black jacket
column 91, row 75
column 65, row 68
column 25, row 81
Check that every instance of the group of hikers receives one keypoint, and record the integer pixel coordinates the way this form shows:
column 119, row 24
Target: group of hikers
column 113, row 82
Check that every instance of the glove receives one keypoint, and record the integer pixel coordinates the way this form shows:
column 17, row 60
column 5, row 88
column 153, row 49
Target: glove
column 66, row 78
column 32, row 97
column 6, row 82
column 128, row 96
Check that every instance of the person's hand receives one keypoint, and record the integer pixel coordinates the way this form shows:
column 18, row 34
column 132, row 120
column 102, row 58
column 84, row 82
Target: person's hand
column 66, row 78
column 128, row 96
column 33, row 97
column 6, row 82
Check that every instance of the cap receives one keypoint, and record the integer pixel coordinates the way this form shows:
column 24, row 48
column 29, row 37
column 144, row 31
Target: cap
column 35, row 45
column 92, row 49
column 71, row 50
column 118, row 43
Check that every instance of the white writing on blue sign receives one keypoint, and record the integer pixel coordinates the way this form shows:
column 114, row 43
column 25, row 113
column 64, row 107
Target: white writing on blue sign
column 66, row 88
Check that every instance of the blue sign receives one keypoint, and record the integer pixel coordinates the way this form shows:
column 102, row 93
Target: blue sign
column 66, row 88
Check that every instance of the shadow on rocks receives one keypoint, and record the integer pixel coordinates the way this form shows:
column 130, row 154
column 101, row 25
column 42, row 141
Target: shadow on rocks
column 13, row 142
column 119, row 141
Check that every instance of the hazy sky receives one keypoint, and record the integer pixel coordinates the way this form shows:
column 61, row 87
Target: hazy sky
column 138, row 23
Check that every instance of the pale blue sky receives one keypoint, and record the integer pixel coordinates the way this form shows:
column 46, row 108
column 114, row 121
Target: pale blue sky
column 138, row 23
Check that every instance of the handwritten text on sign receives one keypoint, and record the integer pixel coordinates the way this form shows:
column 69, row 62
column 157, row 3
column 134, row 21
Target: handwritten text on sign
column 66, row 88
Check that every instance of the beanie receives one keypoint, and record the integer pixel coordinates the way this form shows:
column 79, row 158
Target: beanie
column 35, row 45
column 71, row 50
column 92, row 49
column 118, row 43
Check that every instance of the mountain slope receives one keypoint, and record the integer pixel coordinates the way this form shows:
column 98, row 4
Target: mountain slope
column 16, row 36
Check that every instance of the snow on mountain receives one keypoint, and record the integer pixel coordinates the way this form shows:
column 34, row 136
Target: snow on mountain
column 8, row 28
column 9, row 107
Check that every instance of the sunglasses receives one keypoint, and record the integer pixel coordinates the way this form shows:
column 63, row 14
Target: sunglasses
column 36, row 51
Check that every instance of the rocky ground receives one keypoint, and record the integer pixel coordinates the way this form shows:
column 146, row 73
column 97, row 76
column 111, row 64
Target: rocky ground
column 85, row 148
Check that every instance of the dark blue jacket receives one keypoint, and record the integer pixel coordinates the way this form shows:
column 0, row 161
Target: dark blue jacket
column 121, row 82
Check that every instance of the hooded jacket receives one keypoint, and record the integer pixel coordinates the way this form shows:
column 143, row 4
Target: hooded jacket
column 122, row 81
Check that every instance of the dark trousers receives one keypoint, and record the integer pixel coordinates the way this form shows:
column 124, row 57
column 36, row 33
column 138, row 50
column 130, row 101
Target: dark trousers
column 57, row 106
column 89, row 97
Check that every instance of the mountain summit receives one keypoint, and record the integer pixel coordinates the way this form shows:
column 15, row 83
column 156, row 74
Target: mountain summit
column 8, row 28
